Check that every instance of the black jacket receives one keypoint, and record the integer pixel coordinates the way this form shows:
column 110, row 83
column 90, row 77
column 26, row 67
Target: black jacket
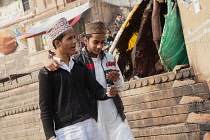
column 64, row 97
column 84, row 57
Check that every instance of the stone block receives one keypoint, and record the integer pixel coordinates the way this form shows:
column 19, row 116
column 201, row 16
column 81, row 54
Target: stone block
column 138, row 83
column 26, row 120
column 157, row 80
column 198, row 118
column 152, row 105
column 182, row 136
column 179, row 83
column 159, row 121
column 158, row 112
column 190, row 99
column 166, row 130
column 207, row 136
column 200, row 88
column 171, row 76
column 178, row 75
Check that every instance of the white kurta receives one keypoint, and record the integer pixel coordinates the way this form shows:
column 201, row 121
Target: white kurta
column 109, row 121
column 85, row 130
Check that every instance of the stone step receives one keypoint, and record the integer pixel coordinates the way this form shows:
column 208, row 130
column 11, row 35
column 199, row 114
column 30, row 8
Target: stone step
column 156, row 82
column 158, row 121
column 165, row 115
column 203, row 107
column 32, row 134
column 164, row 105
column 182, row 136
column 165, row 130
column 19, row 97
column 19, row 109
column 193, row 90
column 176, row 131
column 152, row 105
column 19, row 103
column 145, row 89
column 18, row 89
column 159, row 104
column 158, row 112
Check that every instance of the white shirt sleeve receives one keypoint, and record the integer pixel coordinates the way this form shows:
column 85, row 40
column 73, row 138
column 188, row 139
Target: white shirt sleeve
column 120, row 83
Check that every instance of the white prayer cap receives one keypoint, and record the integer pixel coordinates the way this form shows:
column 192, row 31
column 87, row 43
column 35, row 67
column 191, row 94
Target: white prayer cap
column 58, row 28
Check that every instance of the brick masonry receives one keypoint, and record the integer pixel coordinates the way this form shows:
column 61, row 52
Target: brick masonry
column 152, row 106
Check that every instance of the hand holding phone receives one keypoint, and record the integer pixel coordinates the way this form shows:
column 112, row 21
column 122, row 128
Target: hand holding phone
column 113, row 75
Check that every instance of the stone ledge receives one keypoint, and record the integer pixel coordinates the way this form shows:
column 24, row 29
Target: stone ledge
column 152, row 80
column 3, row 89
column 159, row 121
column 177, row 136
column 158, row 112
column 182, row 136
column 145, row 89
column 17, row 110
column 165, row 94
column 198, row 118
column 153, row 105
column 190, row 99
column 19, row 91
column 207, row 136
column 203, row 107
column 166, row 130
column 173, row 129
column 161, row 78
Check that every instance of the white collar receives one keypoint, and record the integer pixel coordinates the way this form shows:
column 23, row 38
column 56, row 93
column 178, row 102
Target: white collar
column 64, row 66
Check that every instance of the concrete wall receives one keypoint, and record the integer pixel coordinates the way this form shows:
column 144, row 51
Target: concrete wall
column 196, row 29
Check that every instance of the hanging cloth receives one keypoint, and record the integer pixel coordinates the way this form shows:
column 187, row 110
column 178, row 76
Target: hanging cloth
column 172, row 50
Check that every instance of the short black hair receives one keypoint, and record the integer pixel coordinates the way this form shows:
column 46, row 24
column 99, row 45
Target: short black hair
column 88, row 36
column 59, row 38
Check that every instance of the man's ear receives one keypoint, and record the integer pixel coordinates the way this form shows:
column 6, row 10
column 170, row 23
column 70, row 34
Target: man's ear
column 86, row 40
column 57, row 43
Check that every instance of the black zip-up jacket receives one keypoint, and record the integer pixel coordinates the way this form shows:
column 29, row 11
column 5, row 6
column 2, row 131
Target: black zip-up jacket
column 64, row 97
column 85, row 58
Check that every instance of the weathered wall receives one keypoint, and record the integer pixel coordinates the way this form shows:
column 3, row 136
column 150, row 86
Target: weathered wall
column 196, row 29
column 101, row 11
column 12, row 63
column 21, row 62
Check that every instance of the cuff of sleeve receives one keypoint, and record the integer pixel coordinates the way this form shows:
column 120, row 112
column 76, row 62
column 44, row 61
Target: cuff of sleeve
column 52, row 137
column 109, row 95
column 118, row 82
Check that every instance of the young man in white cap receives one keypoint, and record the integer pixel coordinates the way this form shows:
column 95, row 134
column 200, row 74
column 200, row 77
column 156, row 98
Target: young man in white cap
column 109, row 114
column 64, row 95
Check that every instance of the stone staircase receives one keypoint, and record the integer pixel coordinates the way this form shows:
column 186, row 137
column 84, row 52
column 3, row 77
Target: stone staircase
column 158, row 111
column 19, row 110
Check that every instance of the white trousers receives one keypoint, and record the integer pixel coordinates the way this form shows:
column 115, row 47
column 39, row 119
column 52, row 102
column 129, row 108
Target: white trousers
column 85, row 130
column 110, row 122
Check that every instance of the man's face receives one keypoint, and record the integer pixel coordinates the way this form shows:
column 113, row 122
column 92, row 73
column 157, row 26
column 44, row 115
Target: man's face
column 95, row 44
column 68, row 43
